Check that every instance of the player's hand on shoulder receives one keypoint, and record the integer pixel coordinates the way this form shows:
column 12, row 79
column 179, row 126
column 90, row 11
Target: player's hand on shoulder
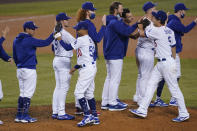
column 5, row 31
column 57, row 36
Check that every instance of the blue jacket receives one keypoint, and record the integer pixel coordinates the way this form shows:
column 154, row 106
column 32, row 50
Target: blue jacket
column 109, row 18
column 24, row 50
column 3, row 54
column 179, row 29
column 96, row 37
column 117, row 39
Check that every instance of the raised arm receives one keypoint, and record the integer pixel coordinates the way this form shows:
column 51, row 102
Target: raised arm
column 179, row 27
column 42, row 43
column 97, row 37
column 121, row 29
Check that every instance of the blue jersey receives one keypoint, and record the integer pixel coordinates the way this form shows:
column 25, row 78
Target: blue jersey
column 96, row 37
column 117, row 39
column 24, row 50
column 3, row 54
column 179, row 29
column 109, row 18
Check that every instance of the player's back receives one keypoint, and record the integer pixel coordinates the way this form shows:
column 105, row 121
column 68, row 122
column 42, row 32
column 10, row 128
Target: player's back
column 85, row 50
column 23, row 51
column 145, row 42
column 164, row 42
column 58, row 49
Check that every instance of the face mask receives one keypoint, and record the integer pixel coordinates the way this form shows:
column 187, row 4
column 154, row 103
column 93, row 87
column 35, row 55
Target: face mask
column 92, row 15
column 182, row 16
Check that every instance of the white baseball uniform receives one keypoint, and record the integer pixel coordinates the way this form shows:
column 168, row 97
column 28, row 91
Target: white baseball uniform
column 61, row 66
column 165, row 68
column 1, row 91
column 145, row 58
column 27, row 81
column 85, row 84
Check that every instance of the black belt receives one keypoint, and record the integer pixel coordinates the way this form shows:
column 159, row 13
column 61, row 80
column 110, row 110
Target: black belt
column 162, row 59
column 84, row 65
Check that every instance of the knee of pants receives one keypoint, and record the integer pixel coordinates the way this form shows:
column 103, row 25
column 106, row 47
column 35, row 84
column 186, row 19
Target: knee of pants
column 79, row 95
column 89, row 96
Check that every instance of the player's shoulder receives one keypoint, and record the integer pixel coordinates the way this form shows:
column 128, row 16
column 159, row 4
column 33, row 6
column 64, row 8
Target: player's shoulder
column 168, row 30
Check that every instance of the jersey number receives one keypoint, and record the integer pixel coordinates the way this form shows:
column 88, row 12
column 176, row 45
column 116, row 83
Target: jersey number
column 91, row 50
column 79, row 53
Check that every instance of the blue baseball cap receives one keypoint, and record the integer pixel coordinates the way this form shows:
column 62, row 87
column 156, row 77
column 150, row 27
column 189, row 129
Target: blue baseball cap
column 29, row 25
column 88, row 6
column 82, row 25
column 148, row 5
column 160, row 15
column 180, row 6
column 62, row 16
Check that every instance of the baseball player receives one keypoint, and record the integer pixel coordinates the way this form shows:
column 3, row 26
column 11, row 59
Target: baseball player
column 24, row 54
column 118, row 33
column 115, row 11
column 174, row 23
column 87, row 13
column 62, row 66
column 145, row 58
column 84, row 91
column 4, row 56
column 165, row 67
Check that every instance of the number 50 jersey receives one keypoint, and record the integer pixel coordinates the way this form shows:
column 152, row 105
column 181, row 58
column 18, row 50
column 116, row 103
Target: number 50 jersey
column 85, row 48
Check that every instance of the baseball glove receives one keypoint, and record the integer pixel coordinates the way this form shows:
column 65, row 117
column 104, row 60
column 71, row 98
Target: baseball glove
column 58, row 27
column 145, row 22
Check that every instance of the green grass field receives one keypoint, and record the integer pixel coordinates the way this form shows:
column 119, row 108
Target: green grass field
column 46, row 82
column 71, row 7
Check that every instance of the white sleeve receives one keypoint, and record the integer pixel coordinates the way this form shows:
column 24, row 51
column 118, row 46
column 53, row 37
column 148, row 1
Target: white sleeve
column 152, row 33
column 173, row 40
column 77, row 44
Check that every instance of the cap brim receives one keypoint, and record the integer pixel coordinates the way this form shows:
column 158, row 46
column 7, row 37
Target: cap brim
column 186, row 8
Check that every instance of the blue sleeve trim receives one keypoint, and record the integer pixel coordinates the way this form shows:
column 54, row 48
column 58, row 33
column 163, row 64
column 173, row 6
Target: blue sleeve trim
column 66, row 46
column 77, row 66
column 173, row 45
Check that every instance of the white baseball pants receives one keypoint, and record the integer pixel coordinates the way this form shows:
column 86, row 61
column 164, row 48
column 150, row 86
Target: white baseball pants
column 85, row 84
column 145, row 63
column 61, row 66
column 167, row 70
column 27, row 81
column 112, row 82
column 1, row 91
column 178, row 65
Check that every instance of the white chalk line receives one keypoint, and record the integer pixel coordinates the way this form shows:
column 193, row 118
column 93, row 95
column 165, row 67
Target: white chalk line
column 24, row 18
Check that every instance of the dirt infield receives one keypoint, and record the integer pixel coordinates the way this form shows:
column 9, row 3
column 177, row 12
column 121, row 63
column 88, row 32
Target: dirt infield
column 46, row 24
column 159, row 119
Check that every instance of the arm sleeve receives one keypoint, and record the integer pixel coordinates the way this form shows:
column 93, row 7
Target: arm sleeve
column 14, row 55
column 152, row 33
column 96, row 37
column 52, row 48
column 1, row 40
column 3, row 54
column 66, row 46
column 173, row 40
column 77, row 44
column 179, row 27
column 41, row 43
column 123, row 30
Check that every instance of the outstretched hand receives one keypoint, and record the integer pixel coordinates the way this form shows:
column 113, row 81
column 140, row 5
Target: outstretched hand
column 5, row 31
